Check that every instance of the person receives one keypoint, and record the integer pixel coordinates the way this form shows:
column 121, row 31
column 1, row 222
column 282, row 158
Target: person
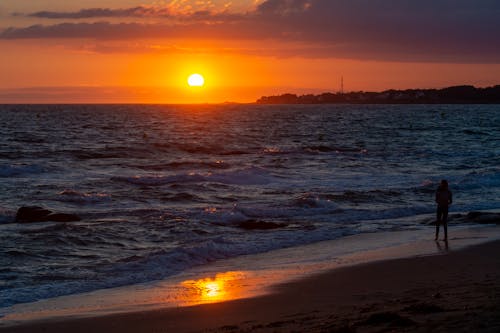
column 443, row 200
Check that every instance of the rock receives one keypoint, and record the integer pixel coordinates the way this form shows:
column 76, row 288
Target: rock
column 473, row 215
column 29, row 214
column 260, row 225
column 484, row 217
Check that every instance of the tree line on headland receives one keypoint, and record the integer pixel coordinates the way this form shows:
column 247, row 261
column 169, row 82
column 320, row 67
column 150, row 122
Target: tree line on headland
column 451, row 95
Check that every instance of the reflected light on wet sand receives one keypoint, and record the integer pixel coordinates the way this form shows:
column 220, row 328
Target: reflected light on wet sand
column 222, row 287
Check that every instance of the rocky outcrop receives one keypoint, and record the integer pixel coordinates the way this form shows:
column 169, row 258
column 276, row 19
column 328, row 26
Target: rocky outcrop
column 484, row 217
column 29, row 214
column 260, row 225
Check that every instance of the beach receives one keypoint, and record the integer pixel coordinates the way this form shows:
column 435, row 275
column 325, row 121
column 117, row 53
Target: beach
column 455, row 290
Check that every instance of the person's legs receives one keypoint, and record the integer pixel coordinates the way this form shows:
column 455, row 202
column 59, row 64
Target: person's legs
column 445, row 222
column 439, row 214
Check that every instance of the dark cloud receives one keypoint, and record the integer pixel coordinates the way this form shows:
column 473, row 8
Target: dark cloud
column 139, row 11
column 97, row 30
column 121, row 31
column 461, row 30
column 134, row 12
column 284, row 7
column 406, row 30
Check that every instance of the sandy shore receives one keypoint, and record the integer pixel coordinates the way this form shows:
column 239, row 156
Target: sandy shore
column 456, row 291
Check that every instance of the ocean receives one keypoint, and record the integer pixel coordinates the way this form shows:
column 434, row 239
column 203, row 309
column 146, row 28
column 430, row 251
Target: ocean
column 161, row 189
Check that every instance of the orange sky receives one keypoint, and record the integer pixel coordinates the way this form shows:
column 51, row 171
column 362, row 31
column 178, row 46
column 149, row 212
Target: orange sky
column 125, row 55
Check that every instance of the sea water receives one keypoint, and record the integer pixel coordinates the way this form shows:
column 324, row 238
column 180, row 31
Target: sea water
column 162, row 189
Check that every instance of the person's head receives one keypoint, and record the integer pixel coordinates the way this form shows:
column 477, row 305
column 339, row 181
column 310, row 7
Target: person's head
column 444, row 183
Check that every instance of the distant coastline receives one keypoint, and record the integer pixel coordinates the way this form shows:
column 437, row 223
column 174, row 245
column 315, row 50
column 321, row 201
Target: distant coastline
column 452, row 95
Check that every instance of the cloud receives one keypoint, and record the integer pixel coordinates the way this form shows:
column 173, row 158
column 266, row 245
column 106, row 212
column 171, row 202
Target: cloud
column 120, row 31
column 97, row 30
column 139, row 11
column 172, row 10
column 284, row 7
column 405, row 30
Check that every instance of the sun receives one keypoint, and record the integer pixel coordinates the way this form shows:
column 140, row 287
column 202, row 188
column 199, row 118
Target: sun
column 196, row 80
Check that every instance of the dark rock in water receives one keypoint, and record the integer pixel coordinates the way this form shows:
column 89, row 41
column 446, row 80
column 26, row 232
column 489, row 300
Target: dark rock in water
column 30, row 214
column 260, row 225
column 484, row 217
column 473, row 215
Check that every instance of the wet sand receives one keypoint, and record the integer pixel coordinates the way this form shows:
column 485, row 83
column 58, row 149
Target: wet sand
column 455, row 291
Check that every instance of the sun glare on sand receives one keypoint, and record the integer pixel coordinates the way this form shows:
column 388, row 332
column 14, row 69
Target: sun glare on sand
column 196, row 80
column 221, row 287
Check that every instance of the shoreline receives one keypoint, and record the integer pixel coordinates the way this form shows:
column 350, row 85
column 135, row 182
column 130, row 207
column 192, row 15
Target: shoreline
column 279, row 285
column 459, row 290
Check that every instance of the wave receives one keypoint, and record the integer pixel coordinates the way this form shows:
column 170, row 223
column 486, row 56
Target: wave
column 129, row 270
column 82, row 197
column 203, row 248
column 181, row 197
column 142, row 268
column 109, row 153
column 353, row 196
column 211, row 150
column 478, row 179
column 332, row 149
column 223, row 216
column 7, row 215
column 13, row 170
column 313, row 149
column 248, row 176
column 219, row 164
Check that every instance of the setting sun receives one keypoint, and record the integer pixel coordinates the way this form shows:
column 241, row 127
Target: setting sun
column 196, row 80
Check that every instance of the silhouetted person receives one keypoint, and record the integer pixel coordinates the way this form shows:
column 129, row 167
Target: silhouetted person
column 443, row 200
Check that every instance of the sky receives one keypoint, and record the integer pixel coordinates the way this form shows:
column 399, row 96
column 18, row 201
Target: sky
column 127, row 51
